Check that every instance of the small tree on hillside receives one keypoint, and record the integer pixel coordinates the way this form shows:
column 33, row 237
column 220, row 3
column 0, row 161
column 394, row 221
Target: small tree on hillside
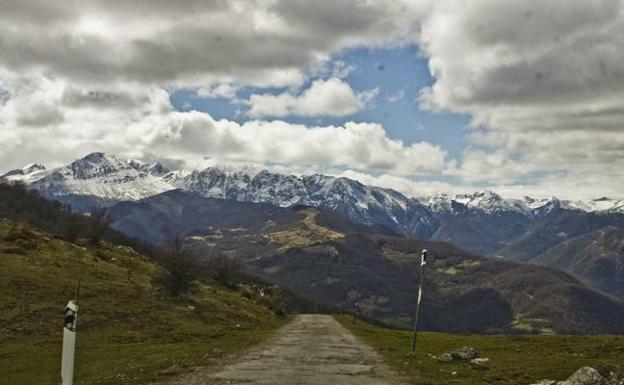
column 180, row 268
column 72, row 227
column 225, row 269
column 99, row 223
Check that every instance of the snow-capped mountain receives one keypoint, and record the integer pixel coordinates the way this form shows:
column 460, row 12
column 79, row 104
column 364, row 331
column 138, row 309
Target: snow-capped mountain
column 366, row 204
column 485, row 201
column 30, row 172
column 491, row 203
column 104, row 179
column 96, row 178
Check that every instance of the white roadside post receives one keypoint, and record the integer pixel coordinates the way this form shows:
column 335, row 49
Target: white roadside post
column 423, row 263
column 69, row 340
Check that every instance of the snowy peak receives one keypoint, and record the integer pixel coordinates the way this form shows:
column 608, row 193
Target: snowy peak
column 606, row 204
column 26, row 174
column 98, row 176
column 97, row 164
column 157, row 169
column 33, row 167
column 485, row 201
column 491, row 203
column 111, row 178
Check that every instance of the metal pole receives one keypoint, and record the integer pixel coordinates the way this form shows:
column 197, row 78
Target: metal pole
column 69, row 339
column 423, row 263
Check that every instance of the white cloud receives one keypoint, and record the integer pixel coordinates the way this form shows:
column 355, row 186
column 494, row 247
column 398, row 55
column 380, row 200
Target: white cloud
column 397, row 97
column 543, row 80
column 331, row 97
column 221, row 90
column 363, row 146
column 269, row 43
column 153, row 127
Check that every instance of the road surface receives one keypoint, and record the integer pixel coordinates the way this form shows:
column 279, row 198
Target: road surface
column 311, row 350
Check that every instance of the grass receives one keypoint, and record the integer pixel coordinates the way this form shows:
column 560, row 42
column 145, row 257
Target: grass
column 129, row 332
column 513, row 359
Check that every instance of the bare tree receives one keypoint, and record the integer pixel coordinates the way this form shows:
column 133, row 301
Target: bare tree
column 99, row 223
column 180, row 268
column 71, row 227
column 225, row 268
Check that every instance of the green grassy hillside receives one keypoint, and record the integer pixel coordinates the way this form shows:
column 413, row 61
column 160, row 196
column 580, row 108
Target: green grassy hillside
column 129, row 332
column 513, row 359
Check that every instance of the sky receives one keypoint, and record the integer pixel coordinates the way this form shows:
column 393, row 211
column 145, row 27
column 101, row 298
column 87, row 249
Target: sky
column 422, row 96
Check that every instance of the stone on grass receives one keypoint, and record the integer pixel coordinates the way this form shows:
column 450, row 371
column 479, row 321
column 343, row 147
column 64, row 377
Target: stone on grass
column 479, row 363
column 464, row 354
column 584, row 376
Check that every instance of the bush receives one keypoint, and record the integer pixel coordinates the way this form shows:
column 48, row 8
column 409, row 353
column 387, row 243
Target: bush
column 99, row 223
column 225, row 269
column 180, row 269
column 72, row 227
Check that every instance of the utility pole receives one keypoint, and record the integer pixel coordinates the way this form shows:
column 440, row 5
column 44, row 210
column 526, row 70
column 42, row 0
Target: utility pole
column 423, row 263
column 69, row 339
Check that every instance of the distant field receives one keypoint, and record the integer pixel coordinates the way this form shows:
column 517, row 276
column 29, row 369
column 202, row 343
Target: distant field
column 128, row 332
column 513, row 359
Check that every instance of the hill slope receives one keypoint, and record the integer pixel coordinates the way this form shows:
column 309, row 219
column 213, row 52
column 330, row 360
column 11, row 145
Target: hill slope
column 128, row 331
column 373, row 271
column 481, row 222
column 597, row 258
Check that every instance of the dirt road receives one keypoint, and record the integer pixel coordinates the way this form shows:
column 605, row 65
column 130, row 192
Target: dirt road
column 313, row 349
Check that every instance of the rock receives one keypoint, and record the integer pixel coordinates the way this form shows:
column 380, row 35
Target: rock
column 583, row 376
column 479, row 363
column 445, row 357
column 464, row 354
column 586, row 376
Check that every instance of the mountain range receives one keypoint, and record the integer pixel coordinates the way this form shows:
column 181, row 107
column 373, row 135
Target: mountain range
column 371, row 270
column 541, row 231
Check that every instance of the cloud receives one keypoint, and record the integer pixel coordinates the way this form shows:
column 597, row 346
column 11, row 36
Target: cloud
column 331, row 97
column 354, row 145
column 221, row 90
column 397, row 97
column 543, row 82
column 153, row 127
column 268, row 43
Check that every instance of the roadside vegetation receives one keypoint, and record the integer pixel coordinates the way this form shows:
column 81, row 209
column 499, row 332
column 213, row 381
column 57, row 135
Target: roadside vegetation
column 143, row 316
column 514, row 360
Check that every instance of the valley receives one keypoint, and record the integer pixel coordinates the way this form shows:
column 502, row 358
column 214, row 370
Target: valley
column 373, row 271
column 356, row 247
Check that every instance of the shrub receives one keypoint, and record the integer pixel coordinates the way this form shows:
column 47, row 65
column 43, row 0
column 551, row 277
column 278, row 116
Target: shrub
column 180, row 269
column 99, row 223
column 225, row 269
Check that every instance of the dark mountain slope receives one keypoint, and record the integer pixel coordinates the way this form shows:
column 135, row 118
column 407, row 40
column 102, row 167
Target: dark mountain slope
column 158, row 218
column 556, row 226
column 597, row 258
column 480, row 232
column 326, row 257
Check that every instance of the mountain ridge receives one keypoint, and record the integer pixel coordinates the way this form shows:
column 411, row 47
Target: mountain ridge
column 482, row 222
column 98, row 165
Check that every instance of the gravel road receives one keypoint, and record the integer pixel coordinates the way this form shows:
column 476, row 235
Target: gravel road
column 313, row 349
